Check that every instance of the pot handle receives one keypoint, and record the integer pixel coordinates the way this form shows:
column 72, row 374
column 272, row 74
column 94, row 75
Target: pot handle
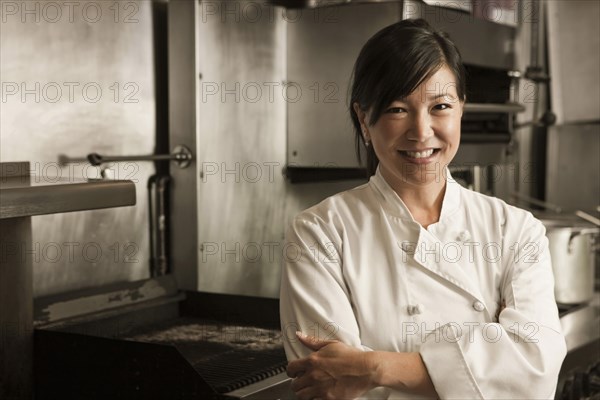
column 587, row 231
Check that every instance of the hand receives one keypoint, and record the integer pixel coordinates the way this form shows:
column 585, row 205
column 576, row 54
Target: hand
column 334, row 371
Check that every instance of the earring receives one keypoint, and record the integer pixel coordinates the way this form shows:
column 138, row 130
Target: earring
column 367, row 143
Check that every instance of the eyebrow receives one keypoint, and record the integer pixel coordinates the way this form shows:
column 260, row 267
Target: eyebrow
column 435, row 97
column 441, row 95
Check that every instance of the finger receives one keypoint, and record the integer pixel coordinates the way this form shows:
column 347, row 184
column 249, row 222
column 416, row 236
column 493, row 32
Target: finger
column 296, row 368
column 302, row 382
column 312, row 342
column 316, row 378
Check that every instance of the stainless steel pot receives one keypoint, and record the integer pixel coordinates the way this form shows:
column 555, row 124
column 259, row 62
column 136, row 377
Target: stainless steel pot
column 573, row 247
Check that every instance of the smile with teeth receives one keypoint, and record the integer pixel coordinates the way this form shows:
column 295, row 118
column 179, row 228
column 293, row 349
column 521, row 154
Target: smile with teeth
column 419, row 154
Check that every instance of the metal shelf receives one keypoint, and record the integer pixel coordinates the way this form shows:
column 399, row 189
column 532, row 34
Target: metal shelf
column 494, row 108
column 25, row 196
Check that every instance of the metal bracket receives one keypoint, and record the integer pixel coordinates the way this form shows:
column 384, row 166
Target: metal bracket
column 181, row 154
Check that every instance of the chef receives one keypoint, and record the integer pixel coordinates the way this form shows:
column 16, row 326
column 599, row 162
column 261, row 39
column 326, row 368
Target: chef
column 411, row 286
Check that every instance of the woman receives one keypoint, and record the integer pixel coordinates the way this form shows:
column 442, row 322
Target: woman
column 411, row 286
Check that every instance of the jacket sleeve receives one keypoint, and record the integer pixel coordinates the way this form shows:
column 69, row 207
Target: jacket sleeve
column 313, row 296
column 520, row 356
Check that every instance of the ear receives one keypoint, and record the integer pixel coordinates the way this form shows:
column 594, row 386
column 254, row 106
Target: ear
column 359, row 113
column 362, row 119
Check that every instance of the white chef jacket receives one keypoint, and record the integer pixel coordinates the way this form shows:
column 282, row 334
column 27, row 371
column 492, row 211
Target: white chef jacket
column 360, row 269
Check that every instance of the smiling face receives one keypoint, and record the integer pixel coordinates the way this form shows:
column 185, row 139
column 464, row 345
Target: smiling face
column 416, row 137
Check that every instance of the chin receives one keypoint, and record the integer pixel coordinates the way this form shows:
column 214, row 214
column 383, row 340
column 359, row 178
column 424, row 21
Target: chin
column 423, row 179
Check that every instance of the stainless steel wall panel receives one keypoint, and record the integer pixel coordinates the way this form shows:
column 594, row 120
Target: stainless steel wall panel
column 75, row 82
column 322, row 46
column 241, row 147
column 573, row 166
column 574, row 54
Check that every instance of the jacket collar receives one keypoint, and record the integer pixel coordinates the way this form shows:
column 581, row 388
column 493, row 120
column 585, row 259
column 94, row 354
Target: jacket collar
column 393, row 204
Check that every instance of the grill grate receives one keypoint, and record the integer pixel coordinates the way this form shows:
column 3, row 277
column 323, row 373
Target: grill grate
column 234, row 369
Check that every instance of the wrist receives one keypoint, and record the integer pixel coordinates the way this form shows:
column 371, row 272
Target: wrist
column 373, row 363
column 401, row 371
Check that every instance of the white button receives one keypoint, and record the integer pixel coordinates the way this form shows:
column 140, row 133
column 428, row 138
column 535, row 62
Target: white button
column 478, row 306
column 464, row 236
column 415, row 309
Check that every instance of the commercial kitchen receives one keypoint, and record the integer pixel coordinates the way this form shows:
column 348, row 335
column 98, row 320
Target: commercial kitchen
column 154, row 152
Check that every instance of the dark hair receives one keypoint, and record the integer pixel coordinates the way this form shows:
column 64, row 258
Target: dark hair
column 392, row 64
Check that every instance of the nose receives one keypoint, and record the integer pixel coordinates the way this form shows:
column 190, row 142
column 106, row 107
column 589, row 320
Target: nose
column 420, row 129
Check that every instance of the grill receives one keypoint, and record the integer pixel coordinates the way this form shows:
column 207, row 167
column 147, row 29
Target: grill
column 162, row 352
column 227, row 357
column 235, row 369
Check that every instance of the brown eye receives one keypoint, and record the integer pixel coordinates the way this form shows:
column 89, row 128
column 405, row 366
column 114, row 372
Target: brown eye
column 395, row 110
column 442, row 106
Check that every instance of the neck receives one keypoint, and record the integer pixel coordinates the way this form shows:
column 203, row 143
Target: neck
column 424, row 201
